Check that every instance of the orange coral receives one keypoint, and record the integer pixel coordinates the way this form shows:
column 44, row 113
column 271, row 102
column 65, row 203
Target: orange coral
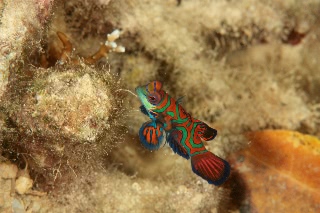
column 281, row 170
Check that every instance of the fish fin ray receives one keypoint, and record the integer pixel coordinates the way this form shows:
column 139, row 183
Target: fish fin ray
column 210, row 167
column 151, row 135
column 173, row 140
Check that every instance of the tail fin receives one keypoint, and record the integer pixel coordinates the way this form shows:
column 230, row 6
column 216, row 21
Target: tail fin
column 210, row 167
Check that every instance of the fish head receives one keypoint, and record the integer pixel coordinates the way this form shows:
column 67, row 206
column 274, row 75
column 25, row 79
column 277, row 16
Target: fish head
column 150, row 95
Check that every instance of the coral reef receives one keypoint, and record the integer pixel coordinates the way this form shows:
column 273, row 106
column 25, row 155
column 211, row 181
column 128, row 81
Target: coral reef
column 57, row 119
column 73, row 103
column 18, row 30
column 59, row 116
column 241, row 66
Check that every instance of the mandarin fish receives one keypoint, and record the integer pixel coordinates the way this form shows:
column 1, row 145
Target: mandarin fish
column 183, row 133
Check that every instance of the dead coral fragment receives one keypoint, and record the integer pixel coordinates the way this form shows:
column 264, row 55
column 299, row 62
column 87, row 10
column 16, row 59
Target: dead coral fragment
column 23, row 184
column 109, row 46
column 8, row 170
column 296, row 154
column 277, row 165
column 20, row 183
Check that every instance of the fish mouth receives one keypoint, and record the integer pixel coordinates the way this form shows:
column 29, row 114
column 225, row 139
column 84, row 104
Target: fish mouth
column 139, row 90
column 142, row 94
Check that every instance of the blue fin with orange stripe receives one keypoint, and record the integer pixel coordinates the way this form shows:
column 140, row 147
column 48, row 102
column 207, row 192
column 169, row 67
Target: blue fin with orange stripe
column 151, row 135
column 174, row 138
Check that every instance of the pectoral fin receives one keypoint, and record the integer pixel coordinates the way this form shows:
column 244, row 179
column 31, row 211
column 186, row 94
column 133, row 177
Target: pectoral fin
column 151, row 135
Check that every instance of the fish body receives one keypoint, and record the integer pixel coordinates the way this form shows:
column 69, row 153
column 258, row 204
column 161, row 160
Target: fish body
column 183, row 132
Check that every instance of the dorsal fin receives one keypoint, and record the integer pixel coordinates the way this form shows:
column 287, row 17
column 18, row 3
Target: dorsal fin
column 206, row 132
column 179, row 100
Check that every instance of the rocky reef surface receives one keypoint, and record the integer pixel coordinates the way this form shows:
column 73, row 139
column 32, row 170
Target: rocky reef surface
column 69, row 122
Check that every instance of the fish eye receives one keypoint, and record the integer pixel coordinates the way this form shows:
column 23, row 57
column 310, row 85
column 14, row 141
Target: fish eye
column 152, row 98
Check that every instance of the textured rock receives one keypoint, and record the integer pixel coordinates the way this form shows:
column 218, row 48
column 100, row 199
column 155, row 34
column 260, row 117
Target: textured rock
column 72, row 104
column 23, row 184
column 8, row 170
column 20, row 23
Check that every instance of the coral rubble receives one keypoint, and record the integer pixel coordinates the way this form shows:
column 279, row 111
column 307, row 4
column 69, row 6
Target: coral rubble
column 20, row 26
